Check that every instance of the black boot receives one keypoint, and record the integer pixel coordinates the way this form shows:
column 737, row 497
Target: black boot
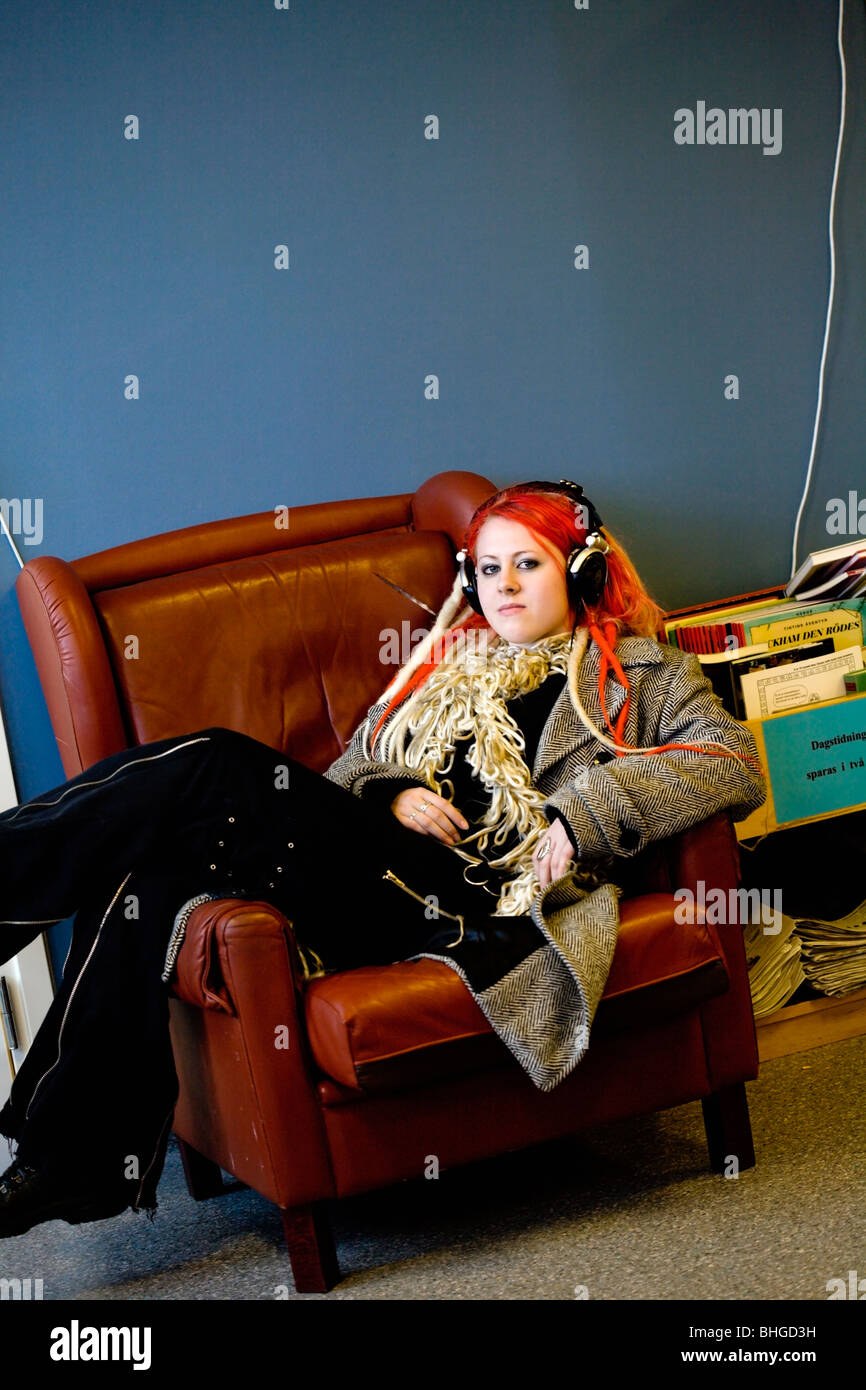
column 29, row 1196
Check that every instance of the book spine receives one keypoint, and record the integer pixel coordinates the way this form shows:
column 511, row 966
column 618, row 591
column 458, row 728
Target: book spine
column 806, row 610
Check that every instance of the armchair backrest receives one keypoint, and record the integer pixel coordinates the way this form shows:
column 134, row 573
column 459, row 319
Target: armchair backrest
column 270, row 624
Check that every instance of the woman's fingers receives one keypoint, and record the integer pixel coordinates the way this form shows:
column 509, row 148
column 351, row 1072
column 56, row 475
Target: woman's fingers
column 542, row 872
column 435, row 823
column 552, row 863
column 437, row 818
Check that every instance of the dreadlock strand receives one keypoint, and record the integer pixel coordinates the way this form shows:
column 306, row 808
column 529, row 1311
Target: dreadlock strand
column 424, row 648
column 403, row 681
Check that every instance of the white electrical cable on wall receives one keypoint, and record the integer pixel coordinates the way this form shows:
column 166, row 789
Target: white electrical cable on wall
column 820, row 404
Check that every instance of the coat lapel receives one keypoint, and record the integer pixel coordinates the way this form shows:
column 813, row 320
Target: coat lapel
column 564, row 732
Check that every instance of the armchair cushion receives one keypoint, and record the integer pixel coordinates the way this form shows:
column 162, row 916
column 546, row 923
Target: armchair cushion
column 385, row 1027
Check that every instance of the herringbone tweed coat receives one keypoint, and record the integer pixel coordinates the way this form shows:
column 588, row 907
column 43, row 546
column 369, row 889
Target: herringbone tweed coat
column 543, row 1006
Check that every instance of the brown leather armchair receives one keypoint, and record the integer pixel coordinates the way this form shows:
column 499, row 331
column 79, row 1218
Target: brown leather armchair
column 274, row 630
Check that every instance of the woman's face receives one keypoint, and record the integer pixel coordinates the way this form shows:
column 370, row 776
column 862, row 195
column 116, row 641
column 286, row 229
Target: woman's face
column 520, row 585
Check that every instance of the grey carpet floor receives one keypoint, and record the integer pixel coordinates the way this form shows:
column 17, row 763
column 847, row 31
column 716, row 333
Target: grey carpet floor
column 628, row 1211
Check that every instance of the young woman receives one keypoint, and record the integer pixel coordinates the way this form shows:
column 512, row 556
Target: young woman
column 539, row 734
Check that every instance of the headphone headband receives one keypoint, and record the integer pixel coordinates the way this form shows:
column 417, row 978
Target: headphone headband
column 593, row 521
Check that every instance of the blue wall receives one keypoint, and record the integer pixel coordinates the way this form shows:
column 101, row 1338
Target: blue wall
column 411, row 256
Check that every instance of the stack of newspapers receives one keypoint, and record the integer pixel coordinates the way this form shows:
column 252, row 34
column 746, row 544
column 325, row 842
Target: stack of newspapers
column 775, row 968
column 834, row 953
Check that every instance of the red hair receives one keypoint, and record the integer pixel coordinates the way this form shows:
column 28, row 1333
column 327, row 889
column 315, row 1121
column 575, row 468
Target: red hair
column 558, row 527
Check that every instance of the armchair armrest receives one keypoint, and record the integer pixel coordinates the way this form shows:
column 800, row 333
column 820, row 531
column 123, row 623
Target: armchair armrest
column 248, row 1097
column 204, row 962
column 708, row 853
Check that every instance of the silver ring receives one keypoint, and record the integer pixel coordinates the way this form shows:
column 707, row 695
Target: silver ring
column 544, row 851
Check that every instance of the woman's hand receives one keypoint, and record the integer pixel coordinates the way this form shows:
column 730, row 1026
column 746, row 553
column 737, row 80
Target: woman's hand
column 430, row 814
column 557, row 859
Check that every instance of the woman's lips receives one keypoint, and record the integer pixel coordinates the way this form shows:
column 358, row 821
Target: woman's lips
column 512, row 608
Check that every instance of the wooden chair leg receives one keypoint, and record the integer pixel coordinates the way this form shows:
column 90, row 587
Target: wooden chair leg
column 729, row 1130
column 203, row 1177
column 311, row 1247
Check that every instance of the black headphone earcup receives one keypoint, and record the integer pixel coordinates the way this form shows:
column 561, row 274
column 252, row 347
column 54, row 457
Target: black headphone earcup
column 587, row 576
column 469, row 584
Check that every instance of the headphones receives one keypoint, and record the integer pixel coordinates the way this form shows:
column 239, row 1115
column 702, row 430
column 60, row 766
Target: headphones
column 586, row 566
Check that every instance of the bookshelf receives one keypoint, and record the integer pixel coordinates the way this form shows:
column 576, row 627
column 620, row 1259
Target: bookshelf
column 806, row 1024
column 802, row 1023
column 813, row 1023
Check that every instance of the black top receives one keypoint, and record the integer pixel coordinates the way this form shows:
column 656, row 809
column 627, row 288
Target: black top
column 530, row 712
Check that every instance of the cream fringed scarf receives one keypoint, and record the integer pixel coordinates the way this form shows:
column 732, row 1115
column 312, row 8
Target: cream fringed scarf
column 465, row 697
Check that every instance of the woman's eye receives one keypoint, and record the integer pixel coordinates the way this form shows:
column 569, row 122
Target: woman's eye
column 491, row 569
